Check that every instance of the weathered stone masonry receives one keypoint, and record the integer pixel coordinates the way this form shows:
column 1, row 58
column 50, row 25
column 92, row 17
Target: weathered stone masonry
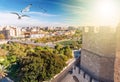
column 100, row 55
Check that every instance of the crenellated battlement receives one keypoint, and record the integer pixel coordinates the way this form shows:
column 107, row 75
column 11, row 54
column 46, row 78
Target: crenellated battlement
column 99, row 30
column 84, row 76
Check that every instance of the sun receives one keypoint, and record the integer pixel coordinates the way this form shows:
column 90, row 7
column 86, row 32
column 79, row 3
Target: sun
column 106, row 8
column 106, row 11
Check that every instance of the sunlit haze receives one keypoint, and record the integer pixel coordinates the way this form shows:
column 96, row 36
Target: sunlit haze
column 106, row 12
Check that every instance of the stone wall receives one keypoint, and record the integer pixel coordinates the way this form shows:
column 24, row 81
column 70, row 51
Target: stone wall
column 82, row 76
column 117, row 60
column 100, row 67
column 98, row 52
column 100, row 41
column 117, row 70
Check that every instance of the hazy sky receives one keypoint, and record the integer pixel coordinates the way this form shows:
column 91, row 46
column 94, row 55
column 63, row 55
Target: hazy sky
column 60, row 12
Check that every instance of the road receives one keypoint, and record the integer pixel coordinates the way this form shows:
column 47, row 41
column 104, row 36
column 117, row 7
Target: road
column 66, row 75
column 32, row 43
column 69, row 76
column 3, row 41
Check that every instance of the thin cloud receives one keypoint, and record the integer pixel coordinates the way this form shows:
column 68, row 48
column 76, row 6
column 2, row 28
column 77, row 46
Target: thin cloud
column 72, row 6
column 74, row 9
column 11, row 19
column 41, row 14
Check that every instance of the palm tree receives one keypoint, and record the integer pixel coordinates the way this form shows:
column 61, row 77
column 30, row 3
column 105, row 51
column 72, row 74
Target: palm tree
column 3, row 71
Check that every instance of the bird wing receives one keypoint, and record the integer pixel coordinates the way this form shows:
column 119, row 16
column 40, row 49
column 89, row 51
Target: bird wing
column 26, row 9
column 25, row 16
column 15, row 13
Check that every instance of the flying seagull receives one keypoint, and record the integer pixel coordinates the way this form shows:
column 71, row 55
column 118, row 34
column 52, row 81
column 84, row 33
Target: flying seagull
column 19, row 16
column 26, row 9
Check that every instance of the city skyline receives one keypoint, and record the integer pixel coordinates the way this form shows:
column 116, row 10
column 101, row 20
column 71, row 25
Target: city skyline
column 60, row 12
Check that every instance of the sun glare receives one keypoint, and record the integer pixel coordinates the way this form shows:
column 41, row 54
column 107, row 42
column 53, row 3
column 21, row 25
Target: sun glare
column 106, row 8
column 106, row 11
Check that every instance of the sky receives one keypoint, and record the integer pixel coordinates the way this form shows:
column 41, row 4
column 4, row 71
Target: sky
column 60, row 12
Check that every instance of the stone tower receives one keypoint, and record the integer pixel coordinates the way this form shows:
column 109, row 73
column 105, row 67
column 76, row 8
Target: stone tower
column 117, row 59
column 98, row 53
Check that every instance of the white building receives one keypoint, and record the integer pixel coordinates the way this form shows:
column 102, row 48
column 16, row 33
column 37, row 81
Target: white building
column 37, row 35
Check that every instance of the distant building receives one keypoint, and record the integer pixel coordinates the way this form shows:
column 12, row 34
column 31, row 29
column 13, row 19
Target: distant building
column 11, row 32
column 69, row 32
column 18, row 32
column 37, row 35
column 6, row 33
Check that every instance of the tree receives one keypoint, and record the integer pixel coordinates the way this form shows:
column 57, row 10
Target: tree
column 3, row 71
column 35, row 64
column 38, row 66
column 3, row 52
column 58, row 47
column 2, row 36
column 68, row 52
column 3, row 58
